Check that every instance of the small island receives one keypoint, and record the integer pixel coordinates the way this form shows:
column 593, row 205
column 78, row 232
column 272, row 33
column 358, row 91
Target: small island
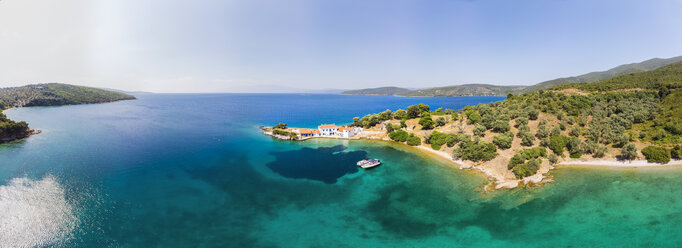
column 51, row 94
column 515, row 142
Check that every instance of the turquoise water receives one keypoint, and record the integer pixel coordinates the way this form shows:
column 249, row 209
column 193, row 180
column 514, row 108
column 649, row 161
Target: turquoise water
column 192, row 170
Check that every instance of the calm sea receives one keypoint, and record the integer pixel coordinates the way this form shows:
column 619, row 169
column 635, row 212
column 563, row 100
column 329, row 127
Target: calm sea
column 192, row 170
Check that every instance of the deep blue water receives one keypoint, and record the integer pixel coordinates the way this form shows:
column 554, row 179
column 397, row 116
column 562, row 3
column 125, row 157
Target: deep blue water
column 188, row 170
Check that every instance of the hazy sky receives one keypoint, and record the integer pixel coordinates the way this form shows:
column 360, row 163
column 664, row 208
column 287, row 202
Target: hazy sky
column 221, row 46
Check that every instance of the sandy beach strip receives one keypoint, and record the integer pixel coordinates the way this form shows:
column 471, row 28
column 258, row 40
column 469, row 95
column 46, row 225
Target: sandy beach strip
column 620, row 163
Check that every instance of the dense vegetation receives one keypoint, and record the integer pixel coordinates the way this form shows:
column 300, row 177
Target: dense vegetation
column 496, row 90
column 466, row 90
column 647, row 65
column 527, row 161
column 51, row 94
column 656, row 154
column 55, row 94
column 609, row 117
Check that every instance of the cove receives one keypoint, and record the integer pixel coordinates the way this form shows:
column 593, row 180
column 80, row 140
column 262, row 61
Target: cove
column 325, row 164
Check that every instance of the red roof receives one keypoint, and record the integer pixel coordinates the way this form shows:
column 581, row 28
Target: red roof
column 327, row 126
column 307, row 131
column 341, row 129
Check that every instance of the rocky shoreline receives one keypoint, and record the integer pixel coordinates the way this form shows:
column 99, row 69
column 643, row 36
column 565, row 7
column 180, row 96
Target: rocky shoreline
column 14, row 138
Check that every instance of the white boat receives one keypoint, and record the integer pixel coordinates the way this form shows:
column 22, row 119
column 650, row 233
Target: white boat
column 368, row 163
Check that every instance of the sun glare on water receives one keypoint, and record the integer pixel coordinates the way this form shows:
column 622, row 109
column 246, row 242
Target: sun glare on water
column 34, row 213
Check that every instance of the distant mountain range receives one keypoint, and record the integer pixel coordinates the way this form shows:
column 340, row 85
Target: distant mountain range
column 499, row 90
column 378, row 91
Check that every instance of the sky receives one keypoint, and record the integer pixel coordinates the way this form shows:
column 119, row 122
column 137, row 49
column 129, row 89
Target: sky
column 274, row 45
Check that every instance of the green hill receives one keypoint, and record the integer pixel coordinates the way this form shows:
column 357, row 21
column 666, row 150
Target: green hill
column 52, row 94
column 466, row 90
column 498, row 90
column 669, row 76
column 613, row 72
column 55, row 94
column 377, row 91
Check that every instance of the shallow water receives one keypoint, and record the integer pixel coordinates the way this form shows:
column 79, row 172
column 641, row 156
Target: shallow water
column 192, row 170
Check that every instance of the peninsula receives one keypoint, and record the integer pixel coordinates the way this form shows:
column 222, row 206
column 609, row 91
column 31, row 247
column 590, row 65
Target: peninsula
column 51, row 94
column 517, row 141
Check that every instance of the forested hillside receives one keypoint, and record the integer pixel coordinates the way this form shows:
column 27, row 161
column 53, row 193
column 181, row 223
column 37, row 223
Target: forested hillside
column 52, row 94
column 466, row 90
column 627, row 117
column 499, row 90
column 613, row 72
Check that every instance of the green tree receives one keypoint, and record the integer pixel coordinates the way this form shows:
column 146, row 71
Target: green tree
column 557, row 144
column 629, row 151
column 656, row 154
column 479, row 130
column 399, row 114
column 399, row 135
column 472, row 117
column 413, row 111
column 503, row 141
column 527, row 139
column 426, row 121
column 414, row 140
column 424, row 108
column 553, row 158
column 440, row 121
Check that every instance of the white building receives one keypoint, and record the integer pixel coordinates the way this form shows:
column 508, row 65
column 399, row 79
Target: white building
column 328, row 130
column 331, row 130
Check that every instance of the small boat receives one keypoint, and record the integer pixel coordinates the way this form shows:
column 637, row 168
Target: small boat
column 368, row 163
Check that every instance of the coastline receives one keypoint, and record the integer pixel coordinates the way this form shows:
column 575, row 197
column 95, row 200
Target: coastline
column 498, row 180
column 613, row 163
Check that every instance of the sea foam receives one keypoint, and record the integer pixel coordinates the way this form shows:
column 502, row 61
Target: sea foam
column 34, row 213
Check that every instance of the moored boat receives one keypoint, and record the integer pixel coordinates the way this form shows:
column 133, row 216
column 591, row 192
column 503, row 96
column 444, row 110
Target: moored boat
column 368, row 163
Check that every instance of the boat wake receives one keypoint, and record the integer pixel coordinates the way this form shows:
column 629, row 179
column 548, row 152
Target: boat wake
column 34, row 213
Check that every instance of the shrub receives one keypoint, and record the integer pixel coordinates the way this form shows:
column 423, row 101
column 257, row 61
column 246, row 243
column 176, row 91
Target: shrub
column 575, row 155
column 656, row 154
column 426, row 121
column 399, row 114
column 556, row 131
column 527, row 139
column 414, row 140
column 600, row 152
column 437, row 140
column 479, row 130
column 521, row 121
column 520, row 167
column 573, row 145
column 523, row 129
column 526, row 169
column 390, row 128
column 503, row 141
column 542, row 132
column 500, row 126
column 473, row 117
column 280, row 126
column 629, row 151
column 557, row 144
column 575, row 131
column 676, row 152
column 517, row 159
column 476, row 151
column 413, row 111
column 553, row 158
column 399, row 135
column 440, row 122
